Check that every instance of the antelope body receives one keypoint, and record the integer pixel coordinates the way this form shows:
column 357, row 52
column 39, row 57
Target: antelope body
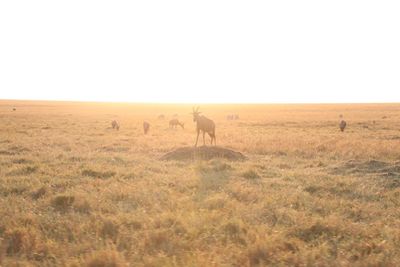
column 146, row 127
column 204, row 125
column 175, row 122
column 115, row 125
column 342, row 125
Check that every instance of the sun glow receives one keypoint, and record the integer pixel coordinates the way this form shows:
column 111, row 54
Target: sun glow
column 208, row 51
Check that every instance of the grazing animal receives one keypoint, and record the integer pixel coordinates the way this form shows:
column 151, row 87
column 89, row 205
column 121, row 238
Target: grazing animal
column 146, row 127
column 204, row 125
column 342, row 125
column 232, row 117
column 161, row 117
column 14, row 109
column 115, row 125
column 175, row 122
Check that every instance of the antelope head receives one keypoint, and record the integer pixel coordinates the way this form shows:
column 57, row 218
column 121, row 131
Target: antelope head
column 195, row 113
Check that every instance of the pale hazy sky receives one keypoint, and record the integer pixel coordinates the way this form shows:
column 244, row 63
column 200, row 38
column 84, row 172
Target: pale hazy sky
column 201, row 51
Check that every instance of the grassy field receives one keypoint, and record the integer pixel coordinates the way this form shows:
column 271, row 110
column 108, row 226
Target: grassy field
column 75, row 192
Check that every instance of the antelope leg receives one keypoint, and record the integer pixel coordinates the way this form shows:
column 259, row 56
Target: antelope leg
column 197, row 139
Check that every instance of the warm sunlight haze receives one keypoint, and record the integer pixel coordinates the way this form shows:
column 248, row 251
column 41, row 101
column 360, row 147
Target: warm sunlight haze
column 199, row 133
column 207, row 51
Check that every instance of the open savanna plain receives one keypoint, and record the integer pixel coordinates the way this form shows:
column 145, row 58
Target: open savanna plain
column 75, row 192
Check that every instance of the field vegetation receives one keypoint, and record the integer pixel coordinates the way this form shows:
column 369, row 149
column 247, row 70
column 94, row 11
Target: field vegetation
column 75, row 192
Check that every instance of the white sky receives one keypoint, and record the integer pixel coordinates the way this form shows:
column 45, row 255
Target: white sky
column 201, row 51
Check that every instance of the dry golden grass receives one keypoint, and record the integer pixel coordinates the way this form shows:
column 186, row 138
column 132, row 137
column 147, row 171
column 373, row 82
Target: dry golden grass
column 74, row 192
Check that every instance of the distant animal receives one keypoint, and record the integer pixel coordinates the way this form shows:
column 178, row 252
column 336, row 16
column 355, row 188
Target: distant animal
column 342, row 125
column 146, row 127
column 340, row 115
column 115, row 125
column 175, row 122
column 14, row 109
column 161, row 117
column 231, row 117
column 204, row 125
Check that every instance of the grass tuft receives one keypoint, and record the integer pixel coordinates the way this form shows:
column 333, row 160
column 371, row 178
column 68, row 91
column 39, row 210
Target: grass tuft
column 251, row 175
column 98, row 174
column 259, row 255
column 316, row 231
column 110, row 230
column 106, row 258
column 24, row 171
column 39, row 192
column 19, row 240
column 63, row 202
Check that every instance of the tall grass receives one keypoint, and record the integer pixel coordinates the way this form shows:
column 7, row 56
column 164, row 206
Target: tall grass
column 75, row 193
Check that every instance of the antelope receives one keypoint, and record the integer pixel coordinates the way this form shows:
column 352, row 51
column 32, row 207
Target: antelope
column 232, row 117
column 146, row 127
column 205, row 125
column 115, row 125
column 175, row 122
column 342, row 125
column 161, row 117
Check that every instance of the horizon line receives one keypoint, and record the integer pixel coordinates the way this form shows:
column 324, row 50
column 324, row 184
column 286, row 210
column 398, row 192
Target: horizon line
column 195, row 103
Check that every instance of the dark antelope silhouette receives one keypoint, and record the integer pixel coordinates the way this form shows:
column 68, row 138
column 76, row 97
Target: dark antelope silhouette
column 342, row 125
column 204, row 125
column 175, row 122
column 146, row 127
column 115, row 125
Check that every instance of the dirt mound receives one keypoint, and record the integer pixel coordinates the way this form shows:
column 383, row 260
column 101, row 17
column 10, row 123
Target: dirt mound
column 203, row 152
